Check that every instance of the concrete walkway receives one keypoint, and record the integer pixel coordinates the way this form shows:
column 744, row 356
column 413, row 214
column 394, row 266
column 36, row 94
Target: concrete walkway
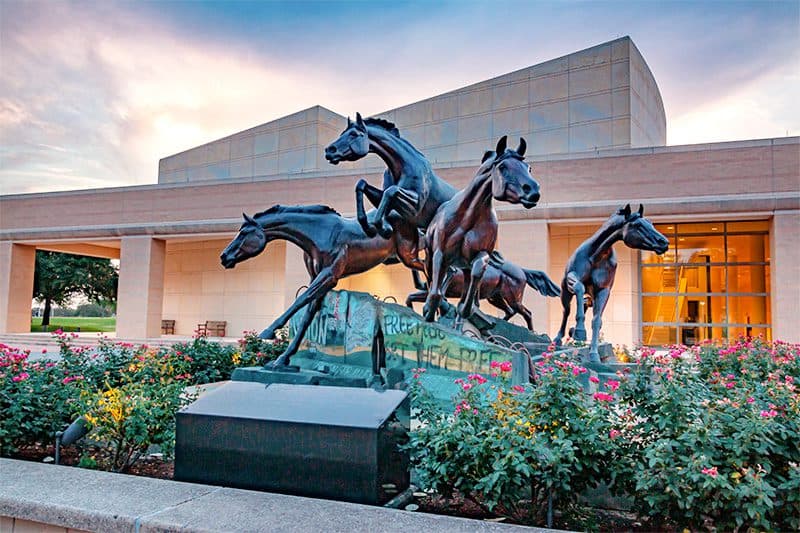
column 44, row 345
column 69, row 497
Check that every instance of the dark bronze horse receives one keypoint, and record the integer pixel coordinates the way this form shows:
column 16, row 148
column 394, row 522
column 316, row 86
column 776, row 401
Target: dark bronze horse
column 410, row 187
column 335, row 247
column 592, row 267
column 503, row 286
column 464, row 230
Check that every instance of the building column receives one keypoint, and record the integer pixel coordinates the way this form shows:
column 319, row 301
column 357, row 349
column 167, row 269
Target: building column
column 527, row 243
column 17, row 263
column 785, row 275
column 140, row 295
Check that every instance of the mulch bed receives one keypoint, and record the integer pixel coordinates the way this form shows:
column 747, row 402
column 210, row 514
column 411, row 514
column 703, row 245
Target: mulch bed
column 70, row 455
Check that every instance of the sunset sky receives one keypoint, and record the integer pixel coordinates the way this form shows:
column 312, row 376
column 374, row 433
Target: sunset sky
column 93, row 94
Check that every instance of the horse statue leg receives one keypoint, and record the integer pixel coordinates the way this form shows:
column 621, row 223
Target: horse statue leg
column 322, row 283
column 311, row 311
column 600, row 301
column 374, row 195
column 401, row 200
column 435, row 294
column 525, row 312
column 577, row 287
column 566, row 301
column 479, row 264
column 498, row 301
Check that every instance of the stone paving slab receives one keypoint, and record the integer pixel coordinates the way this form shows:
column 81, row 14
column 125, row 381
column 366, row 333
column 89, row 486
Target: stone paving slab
column 100, row 501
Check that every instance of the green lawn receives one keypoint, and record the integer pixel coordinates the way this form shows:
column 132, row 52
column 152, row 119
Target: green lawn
column 73, row 323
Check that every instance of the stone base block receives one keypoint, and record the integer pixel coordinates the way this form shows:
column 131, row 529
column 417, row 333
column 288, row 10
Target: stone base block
column 330, row 442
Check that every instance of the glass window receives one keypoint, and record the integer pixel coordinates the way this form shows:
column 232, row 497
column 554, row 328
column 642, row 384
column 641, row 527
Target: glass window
column 701, row 249
column 749, row 310
column 748, row 226
column 713, row 283
column 659, row 279
column 701, row 278
column 658, row 308
column 748, row 278
column 747, row 249
column 659, row 335
column 717, row 228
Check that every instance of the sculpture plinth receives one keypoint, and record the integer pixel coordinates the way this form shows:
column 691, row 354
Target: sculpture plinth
column 326, row 442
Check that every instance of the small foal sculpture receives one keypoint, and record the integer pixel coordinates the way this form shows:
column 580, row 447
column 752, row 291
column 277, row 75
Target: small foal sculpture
column 464, row 230
column 592, row 267
column 503, row 286
column 335, row 247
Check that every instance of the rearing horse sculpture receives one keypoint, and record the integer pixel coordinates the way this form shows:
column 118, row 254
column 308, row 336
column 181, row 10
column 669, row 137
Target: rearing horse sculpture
column 464, row 230
column 410, row 187
column 335, row 247
column 592, row 267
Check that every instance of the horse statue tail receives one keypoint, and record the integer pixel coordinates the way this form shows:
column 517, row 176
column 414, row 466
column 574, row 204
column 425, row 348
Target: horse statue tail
column 539, row 281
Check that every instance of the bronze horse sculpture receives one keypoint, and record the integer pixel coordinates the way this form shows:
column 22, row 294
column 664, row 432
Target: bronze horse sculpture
column 463, row 232
column 410, row 187
column 592, row 267
column 335, row 247
column 503, row 286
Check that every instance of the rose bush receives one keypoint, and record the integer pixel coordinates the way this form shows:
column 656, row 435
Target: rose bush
column 709, row 435
column 697, row 437
column 130, row 392
column 513, row 449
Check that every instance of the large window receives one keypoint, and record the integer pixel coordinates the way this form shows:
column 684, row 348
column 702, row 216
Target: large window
column 712, row 283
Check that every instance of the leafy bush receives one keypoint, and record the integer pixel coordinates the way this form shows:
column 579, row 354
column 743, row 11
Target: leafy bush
column 139, row 412
column 130, row 391
column 700, row 437
column 36, row 399
column 512, row 448
column 710, row 434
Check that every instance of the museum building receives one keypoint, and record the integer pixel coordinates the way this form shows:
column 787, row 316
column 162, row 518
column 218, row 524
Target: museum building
column 596, row 132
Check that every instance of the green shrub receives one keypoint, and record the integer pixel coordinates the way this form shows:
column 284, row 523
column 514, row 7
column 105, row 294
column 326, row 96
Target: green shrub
column 709, row 435
column 511, row 448
column 36, row 399
column 129, row 418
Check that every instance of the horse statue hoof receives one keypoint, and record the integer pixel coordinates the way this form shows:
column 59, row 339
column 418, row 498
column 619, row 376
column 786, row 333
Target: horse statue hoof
column 267, row 334
column 385, row 231
column 579, row 334
column 594, row 357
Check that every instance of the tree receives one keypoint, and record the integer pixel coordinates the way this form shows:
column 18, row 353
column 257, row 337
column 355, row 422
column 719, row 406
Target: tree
column 58, row 277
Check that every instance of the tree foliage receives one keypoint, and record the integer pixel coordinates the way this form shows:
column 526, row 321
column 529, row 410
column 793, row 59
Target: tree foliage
column 58, row 277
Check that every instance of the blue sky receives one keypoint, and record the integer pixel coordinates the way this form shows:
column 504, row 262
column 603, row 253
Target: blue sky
column 93, row 94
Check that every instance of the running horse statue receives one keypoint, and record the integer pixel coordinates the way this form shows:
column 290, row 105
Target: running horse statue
column 335, row 247
column 410, row 187
column 502, row 285
column 592, row 267
column 463, row 231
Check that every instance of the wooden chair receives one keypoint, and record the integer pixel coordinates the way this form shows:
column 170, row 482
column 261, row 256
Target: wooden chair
column 168, row 327
column 212, row 328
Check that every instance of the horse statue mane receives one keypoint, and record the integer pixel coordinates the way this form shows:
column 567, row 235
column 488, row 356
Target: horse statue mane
column 313, row 209
column 383, row 123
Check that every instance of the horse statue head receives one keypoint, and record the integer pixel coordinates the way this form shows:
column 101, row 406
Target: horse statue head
column 511, row 177
column 352, row 144
column 249, row 242
column 639, row 233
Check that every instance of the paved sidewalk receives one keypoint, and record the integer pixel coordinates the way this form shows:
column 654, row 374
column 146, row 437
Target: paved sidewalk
column 71, row 497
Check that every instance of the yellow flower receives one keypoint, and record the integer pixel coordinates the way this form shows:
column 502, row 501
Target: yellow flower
column 236, row 358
